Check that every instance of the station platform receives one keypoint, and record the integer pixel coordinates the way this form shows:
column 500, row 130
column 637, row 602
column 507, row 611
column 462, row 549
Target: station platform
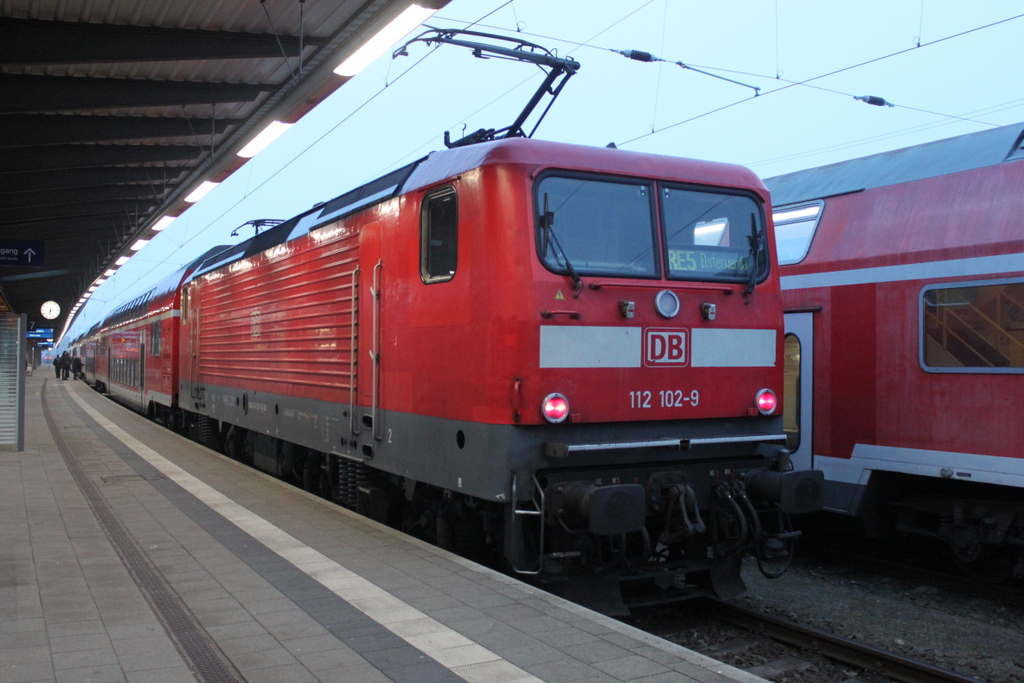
column 129, row 553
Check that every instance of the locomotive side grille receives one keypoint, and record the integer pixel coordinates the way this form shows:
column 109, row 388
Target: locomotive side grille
column 283, row 317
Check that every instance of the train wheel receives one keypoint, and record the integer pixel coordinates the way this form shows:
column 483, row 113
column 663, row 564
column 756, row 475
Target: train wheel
column 235, row 446
column 314, row 479
column 993, row 564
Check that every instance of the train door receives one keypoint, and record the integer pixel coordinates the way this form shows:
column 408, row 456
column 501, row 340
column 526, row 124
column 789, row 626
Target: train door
column 142, row 367
column 190, row 319
column 371, row 284
column 799, row 388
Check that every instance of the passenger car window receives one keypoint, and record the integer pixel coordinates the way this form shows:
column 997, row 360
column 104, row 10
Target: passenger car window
column 973, row 328
column 439, row 238
column 791, row 392
column 794, row 229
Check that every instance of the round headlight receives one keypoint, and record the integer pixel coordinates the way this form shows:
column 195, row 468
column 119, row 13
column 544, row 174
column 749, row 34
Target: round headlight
column 766, row 401
column 667, row 303
column 555, row 408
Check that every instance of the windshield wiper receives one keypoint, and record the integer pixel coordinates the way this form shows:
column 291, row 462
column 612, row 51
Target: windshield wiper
column 756, row 246
column 547, row 220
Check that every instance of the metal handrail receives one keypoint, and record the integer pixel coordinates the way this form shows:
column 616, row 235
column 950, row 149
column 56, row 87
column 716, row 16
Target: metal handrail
column 539, row 510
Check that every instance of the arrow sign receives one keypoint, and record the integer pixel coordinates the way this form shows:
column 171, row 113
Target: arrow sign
column 22, row 253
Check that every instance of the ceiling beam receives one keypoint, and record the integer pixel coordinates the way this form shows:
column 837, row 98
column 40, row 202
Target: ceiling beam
column 40, row 215
column 110, row 227
column 27, row 130
column 79, row 196
column 53, row 157
column 31, row 41
column 94, row 177
column 33, row 275
column 24, row 93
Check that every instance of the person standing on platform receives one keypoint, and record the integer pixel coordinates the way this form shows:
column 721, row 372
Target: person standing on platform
column 65, row 365
column 56, row 365
column 76, row 367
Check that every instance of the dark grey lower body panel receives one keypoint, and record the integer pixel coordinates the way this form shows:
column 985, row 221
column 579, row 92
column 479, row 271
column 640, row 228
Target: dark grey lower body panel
column 472, row 458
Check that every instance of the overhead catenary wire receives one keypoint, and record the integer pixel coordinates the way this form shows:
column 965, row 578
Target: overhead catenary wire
column 307, row 148
column 586, row 44
column 804, row 82
column 1012, row 104
column 778, row 77
column 639, row 56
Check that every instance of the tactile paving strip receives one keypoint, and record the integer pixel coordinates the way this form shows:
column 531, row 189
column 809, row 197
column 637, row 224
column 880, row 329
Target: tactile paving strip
column 199, row 651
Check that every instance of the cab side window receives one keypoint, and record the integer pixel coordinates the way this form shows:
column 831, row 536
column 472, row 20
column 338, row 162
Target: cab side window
column 439, row 233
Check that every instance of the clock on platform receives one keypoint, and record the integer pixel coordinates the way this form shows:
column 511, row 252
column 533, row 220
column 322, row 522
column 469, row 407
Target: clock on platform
column 50, row 310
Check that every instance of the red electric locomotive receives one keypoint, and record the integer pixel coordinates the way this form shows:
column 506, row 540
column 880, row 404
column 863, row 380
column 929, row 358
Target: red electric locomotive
column 903, row 284
column 564, row 358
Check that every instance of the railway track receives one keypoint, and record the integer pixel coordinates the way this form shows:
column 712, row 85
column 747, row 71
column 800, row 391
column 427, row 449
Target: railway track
column 865, row 559
column 802, row 648
column 873, row 659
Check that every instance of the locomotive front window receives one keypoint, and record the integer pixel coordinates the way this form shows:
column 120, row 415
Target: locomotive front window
column 712, row 236
column 595, row 227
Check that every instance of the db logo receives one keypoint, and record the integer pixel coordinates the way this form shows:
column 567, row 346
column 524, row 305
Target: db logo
column 665, row 347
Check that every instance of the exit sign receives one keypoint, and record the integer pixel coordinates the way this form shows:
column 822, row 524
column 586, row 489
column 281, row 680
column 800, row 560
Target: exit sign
column 22, row 253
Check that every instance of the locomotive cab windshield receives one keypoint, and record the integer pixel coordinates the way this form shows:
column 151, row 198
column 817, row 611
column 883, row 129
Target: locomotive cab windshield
column 614, row 228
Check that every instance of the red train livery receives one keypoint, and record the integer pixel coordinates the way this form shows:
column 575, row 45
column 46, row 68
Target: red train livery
column 903, row 285
column 557, row 358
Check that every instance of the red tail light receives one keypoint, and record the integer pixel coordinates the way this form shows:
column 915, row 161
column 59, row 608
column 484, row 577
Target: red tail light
column 555, row 408
column 766, row 401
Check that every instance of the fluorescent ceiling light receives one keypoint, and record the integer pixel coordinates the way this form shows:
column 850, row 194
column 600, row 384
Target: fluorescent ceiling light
column 163, row 223
column 201, row 191
column 110, row 271
column 94, row 288
column 273, row 130
column 139, row 245
column 399, row 27
column 87, row 295
column 122, row 260
column 101, row 281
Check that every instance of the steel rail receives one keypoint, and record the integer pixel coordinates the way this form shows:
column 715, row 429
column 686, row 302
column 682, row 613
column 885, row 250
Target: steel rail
column 842, row 649
column 1010, row 594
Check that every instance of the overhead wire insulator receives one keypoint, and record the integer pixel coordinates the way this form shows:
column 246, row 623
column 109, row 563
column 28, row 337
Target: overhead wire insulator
column 874, row 101
column 639, row 56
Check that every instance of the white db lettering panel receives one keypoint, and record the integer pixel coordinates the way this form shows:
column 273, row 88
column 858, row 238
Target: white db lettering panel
column 727, row 348
column 582, row 346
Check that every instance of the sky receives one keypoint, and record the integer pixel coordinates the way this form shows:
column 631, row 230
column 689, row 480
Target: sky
column 949, row 67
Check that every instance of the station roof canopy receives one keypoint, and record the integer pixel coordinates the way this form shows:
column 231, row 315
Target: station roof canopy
column 112, row 113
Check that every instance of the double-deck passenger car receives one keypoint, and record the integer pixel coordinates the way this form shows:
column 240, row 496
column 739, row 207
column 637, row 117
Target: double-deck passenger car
column 903, row 285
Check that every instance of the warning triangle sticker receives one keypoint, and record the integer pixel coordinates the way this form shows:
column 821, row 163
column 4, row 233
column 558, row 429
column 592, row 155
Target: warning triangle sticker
column 559, row 296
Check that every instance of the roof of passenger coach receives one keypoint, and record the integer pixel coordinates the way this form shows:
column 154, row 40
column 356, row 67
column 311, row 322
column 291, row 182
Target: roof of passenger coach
column 139, row 306
column 952, row 155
